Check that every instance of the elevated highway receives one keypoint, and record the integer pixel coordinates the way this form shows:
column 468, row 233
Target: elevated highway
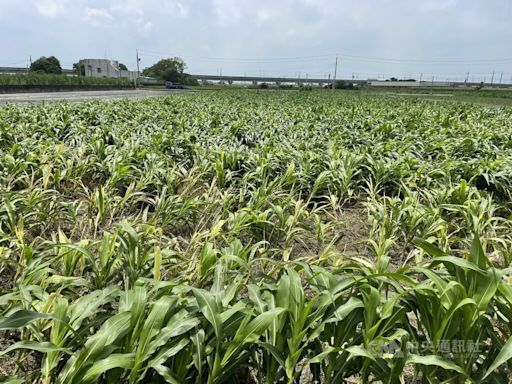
column 287, row 80
column 267, row 79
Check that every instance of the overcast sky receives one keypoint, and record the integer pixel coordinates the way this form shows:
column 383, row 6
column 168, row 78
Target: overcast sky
column 401, row 38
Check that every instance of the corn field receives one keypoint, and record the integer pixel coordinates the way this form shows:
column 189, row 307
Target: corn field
column 256, row 237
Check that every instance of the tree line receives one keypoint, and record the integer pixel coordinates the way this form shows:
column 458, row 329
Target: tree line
column 171, row 69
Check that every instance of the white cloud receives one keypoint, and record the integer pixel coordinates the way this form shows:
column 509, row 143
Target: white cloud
column 406, row 29
column 50, row 8
column 143, row 27
column 98, row 17
column 437, row 5
column 228, row 12
column 176, row 9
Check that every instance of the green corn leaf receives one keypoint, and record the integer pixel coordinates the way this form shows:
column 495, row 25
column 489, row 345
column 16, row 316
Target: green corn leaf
column 435, row 361
column 209, row 309
column 87, row 305
column 11, row 380
column 178, row 325
column 503, row 356
column 114, row 328
column 208, row 258
column 167, row 353
column 477, row 255
column 276, row 353
column 21, row 318
column 34, row 346
column 250, row 332
column 322, row 355
column 167, row 374
column 198, row 351
column 218, row 282
column 255, row 296
column 67, row 281
column 151, row 328
column 283, row 292
column 116, row 360
column 359, row 350
column 457, row 261
column 448, row 317
column 371, row 300
column 429, row 248
column 486, row 288
column 257, row 325
column 345, row 309
column 84, row 251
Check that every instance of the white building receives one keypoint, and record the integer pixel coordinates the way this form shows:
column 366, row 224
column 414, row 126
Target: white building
column 105, row 68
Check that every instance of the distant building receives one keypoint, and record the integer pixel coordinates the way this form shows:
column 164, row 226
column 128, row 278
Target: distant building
column 381, row 83
column 105, row 68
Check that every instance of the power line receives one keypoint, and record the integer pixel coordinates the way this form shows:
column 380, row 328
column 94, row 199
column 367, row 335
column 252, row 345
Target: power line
column 433, row 60
column 343, row 55
column 239, row 59
column 327, row 57
column 14, row 63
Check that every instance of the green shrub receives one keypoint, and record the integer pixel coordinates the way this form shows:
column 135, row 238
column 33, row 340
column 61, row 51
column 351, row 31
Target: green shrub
column 58, row 80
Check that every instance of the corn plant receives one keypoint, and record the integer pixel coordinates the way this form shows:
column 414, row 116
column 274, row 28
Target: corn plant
column 276, row 237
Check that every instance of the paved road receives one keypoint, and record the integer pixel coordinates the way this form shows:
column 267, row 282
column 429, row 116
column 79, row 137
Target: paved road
column 36, row 97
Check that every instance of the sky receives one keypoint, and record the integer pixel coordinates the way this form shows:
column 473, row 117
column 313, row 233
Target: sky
column 444, row 39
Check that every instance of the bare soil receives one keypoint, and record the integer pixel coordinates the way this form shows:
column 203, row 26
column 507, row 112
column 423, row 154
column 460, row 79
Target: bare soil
column 355, row 232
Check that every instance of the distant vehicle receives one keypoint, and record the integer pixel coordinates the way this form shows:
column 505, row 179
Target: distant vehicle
column 171, row 85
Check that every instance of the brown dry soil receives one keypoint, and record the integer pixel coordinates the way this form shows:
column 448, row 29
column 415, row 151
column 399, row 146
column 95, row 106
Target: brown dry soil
column 7, row 363
column 355, row 233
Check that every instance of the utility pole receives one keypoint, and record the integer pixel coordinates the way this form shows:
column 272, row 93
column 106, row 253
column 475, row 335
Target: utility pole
column 421, row 77
column 492, row 79
column 138, row 69
column 501, row 78
column 335, row 70
column 467, row 78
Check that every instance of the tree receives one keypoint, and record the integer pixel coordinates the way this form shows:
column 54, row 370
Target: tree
column 167, row 69
column 123, row 67
column 46, row 65
column 172, row 69
column 79, row 69
column 189, row 80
